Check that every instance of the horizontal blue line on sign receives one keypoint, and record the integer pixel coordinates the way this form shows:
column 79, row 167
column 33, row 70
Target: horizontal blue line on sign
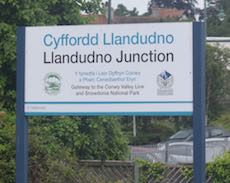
column 116, row 102
column 108, row 113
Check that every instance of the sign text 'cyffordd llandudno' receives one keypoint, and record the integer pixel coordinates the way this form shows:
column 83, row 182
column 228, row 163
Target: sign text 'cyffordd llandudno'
column 66, row 40
column 142, row 69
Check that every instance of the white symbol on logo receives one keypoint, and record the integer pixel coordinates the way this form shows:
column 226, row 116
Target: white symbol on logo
column 52, row 83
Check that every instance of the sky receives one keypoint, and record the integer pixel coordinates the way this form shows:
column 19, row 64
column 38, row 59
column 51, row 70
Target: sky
column 141, row 5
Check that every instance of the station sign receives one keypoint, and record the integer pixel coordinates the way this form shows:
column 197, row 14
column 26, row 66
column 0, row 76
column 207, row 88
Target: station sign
column 125, row 69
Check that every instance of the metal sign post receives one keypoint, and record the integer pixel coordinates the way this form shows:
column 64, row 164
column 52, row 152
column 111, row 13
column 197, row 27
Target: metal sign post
column 199, row 102
column 21, row 122
column 109, row 12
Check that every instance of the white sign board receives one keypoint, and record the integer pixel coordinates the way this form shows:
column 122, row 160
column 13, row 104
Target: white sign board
column 134, row 69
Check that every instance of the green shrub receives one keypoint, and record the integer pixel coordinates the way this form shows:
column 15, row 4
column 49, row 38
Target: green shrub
column 223, row 121
column 7, row 147
column 153, row 171
column 219, row 170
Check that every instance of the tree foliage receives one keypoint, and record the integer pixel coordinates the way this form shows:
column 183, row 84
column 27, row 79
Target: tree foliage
column 217, row 79
column 152, row 130
column 223, row 120
column 215, row 26
column 121, row 10
column 91, row 7
column 61, row 141
column 56, row 145
column 7, row 65
column 187, row 5
column 86, row 137
column 180, row 4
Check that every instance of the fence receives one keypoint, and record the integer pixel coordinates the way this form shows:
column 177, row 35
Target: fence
column 93, row 171
column 172, row 154
column 171, row 174
column 127, row 172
